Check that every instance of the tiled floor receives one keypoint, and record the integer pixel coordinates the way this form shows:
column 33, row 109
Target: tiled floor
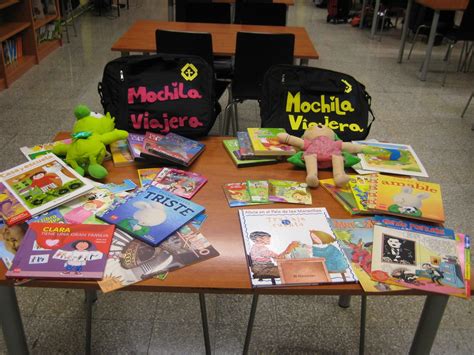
column 423, row 114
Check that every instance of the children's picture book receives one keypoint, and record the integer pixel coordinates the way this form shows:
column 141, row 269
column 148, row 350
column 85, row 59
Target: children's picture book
column 237, row 194
column 151, row 214
column 423, row 257
column 232, row 148
column 57, row 250
column 10, row 240
column 146, row 176
column 172, row 147
column 360, row 186
column 121, row 155
column 343, row 195
column 292, row 247
column 245, row 146
column 406, row 197
column 180, row 182
column 126, row 185
column 355, row 236
column 41, row 149
column 258, row 190
column 289, row 192
column 265, row 142
column 135, row 144
column 38, row 186
column 131, row 260
column 391, row 158
column 358, row 167
column 83, row 209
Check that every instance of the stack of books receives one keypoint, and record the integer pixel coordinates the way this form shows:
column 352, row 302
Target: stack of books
column 389, row 254
column 257, row 146
column 254, row 192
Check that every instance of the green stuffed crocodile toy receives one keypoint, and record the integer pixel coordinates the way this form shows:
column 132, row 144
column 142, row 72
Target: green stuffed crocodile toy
column 91, row 134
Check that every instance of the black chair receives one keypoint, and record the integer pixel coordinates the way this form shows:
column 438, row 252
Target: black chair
column 192, row 43
column 266, row 14
column 420, row 21
column 208, row 12
column 180, row 8
column 463, row 33
column 255, row 53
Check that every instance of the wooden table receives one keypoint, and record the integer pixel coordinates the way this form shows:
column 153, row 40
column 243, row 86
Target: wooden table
column 141, row 37
column 171, row 14
column 227, row 273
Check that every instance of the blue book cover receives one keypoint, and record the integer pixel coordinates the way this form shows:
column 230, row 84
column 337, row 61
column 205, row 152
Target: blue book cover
column 151, row 214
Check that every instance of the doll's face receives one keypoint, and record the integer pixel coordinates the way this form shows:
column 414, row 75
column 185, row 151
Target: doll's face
column 318, row 130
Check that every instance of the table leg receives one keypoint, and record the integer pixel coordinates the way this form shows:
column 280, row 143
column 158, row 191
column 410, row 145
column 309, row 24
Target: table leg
column 248, row 336
column 429, row 48
column 363, row 313
column 10, row 319
column 428, row 324
column 362, row 14
column 405, row 31
column 205, row 327
column 374, row 18
column 170, row 10
column 344, row 301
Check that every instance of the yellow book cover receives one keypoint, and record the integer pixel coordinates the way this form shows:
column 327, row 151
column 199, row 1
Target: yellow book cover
column 360, row 186
column 408, row 198
column 120, row 154
column 265, row 142
column 343, row 195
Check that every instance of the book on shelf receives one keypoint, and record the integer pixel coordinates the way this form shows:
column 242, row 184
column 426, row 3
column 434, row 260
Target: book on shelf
column 48, row 32
column 292, row 247
column 182, row 183
column 233, row 149
column 135, row 143
column 41, row 149
column 151, row 214
column 38, row 9
column 419, row 256
column 342, row 194
column 355, row 237
column 37, row 186
column 237, row 194
column 172, row 148
column 146, row 176
column 265, row 142
column 63, row 251
column 131, row 260
column 121, row 155
column 12, row 49
column 289, row 192
column 399, row 159
column 406, row 197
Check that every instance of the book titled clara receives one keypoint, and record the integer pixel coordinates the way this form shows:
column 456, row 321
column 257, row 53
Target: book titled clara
column 151, row 214
column 58, row 250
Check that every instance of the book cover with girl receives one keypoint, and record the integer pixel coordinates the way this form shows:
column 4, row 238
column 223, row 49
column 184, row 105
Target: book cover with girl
column 58, row 250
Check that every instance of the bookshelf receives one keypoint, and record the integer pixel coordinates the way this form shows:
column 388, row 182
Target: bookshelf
column 20, row 43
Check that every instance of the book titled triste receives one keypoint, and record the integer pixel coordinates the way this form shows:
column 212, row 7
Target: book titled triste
column 38, row 186
column 151, row 214
column 58, row 250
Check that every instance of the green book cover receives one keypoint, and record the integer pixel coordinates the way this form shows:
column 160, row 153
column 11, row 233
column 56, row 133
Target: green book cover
column 232, row 147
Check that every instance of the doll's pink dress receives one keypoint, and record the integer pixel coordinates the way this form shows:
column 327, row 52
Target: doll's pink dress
column 324, row 148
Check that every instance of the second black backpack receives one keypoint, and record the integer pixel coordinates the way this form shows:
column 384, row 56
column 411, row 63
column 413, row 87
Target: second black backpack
column 297, row 97
column 160, row 93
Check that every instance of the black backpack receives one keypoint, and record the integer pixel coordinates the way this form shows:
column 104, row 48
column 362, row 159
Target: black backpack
column 160, row 93
column 296, row 97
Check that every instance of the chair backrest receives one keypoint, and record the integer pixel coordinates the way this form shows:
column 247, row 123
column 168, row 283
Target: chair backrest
column 180, row 8
column 194, row 43
column 267, row 14
column 255, row 53
column 208, row 12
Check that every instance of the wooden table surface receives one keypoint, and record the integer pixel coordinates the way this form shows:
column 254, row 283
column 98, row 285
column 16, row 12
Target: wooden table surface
column 444, row 4
column 140, row 37
column 227, row 273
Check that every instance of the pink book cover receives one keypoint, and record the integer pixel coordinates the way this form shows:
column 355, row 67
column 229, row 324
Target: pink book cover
column 180, row 182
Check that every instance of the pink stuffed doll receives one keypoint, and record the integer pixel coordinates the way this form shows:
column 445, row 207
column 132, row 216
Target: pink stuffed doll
column 321, row 149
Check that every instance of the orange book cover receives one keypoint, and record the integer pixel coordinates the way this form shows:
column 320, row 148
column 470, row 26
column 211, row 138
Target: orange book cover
column 407, row 198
